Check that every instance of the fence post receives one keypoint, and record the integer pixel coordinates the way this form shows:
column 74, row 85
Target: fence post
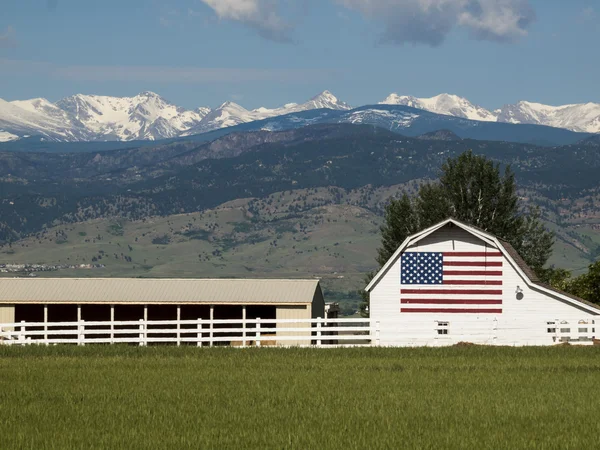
column 210, row 324
column 244, row 326
column 80, row 332
column 22, row 332
column 178, row 326
column 199, row 335
column 112, row 324
column 143, row 335
column 258, row 331
column 318, row 332
column 377, row 326
column 46, row 324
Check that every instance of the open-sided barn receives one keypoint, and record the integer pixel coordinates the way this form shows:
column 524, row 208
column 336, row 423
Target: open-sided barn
column 455, row 283
column 43, row 300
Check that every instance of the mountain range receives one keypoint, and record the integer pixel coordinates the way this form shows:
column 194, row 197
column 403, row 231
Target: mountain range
column 148, row 116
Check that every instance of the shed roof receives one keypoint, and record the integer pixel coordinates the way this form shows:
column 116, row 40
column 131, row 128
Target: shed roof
column 157, row 290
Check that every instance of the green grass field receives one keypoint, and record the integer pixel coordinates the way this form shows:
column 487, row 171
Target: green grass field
column 168, row 397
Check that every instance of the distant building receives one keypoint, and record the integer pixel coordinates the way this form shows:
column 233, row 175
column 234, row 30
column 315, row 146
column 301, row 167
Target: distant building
column 455, row 283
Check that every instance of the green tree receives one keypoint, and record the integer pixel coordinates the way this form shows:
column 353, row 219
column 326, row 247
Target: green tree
column 472, row 190
column 587, row 286
column 557, row 278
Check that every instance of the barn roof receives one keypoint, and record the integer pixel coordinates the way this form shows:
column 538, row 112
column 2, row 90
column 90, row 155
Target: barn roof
column 505, row 247
column 519, row 261
column 157, row 290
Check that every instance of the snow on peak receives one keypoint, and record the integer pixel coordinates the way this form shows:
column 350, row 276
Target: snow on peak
column 147, row 115
column 447, row 104
column 5, row 136
column 584, row 117
column 144, row 116
column 325, row 100
column 577, row 117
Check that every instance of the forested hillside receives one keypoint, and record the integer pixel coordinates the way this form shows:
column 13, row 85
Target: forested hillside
column 282, row 184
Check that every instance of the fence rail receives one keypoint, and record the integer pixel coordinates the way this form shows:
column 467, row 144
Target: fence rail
column 236, row 332
column 318, row 332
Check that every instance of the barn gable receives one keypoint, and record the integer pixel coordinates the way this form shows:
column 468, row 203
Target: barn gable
column 472, row 285
column 480, row 241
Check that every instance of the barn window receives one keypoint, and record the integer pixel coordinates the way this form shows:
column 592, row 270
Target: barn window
column 442, row 327
column 565, row 330
column 551, row 327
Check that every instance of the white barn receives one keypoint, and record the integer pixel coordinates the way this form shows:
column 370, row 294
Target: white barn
column 455, row 283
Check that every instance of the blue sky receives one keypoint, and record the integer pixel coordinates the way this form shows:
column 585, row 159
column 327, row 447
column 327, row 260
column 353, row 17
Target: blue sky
column 270, row 52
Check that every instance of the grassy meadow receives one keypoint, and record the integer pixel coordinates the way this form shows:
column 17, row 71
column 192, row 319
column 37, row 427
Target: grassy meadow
column 224, row 398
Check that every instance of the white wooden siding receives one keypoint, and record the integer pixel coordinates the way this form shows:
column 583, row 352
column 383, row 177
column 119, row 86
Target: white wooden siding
column 522, row 322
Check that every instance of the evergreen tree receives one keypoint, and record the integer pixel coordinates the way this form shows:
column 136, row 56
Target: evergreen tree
column 471, row 190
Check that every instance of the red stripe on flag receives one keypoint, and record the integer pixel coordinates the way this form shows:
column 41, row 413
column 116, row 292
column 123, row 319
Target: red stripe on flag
column 491, row 273
column 451, row 291
column 451, row 310
column 474, row 263
column 475, row 282
column 436, row 301
column 472, row 254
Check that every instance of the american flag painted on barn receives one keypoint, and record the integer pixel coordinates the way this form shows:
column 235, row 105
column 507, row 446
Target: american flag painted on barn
column 451, row 282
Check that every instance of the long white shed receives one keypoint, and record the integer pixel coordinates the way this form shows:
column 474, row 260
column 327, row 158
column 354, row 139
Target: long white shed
column 455, row 283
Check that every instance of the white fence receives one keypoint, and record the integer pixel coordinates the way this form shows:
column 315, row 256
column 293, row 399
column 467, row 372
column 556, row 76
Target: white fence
column 297, row 332
column 250, row 332
column 492, row 331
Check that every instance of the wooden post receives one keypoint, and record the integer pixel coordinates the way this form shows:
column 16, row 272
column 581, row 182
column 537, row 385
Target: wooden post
column 143, row 341
column 22, row 332
column 46, row 324
column 145, row 326
column 318, row 332
column 178, row 326
column 244, row 326
column 112, row 324
column 80, row 327
column 199, row 334
column 258, row 331
column 210, row 325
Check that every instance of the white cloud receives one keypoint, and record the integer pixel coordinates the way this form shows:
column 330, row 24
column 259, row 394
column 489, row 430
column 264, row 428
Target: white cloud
column 430, row 21
column 262, row 15
column 404, row 21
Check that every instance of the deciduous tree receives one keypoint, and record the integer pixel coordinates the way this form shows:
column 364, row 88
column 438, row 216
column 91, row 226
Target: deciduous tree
column 472, row 190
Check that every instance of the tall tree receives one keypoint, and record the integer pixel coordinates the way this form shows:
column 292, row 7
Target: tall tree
column 587, row 286
column 472, row 190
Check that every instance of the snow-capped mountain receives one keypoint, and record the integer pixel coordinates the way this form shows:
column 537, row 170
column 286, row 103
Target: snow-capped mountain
column 147, row 116
column 450, row 105
column 37, row 117
column 580, row 117
column 408, row 121
column 231, row 114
